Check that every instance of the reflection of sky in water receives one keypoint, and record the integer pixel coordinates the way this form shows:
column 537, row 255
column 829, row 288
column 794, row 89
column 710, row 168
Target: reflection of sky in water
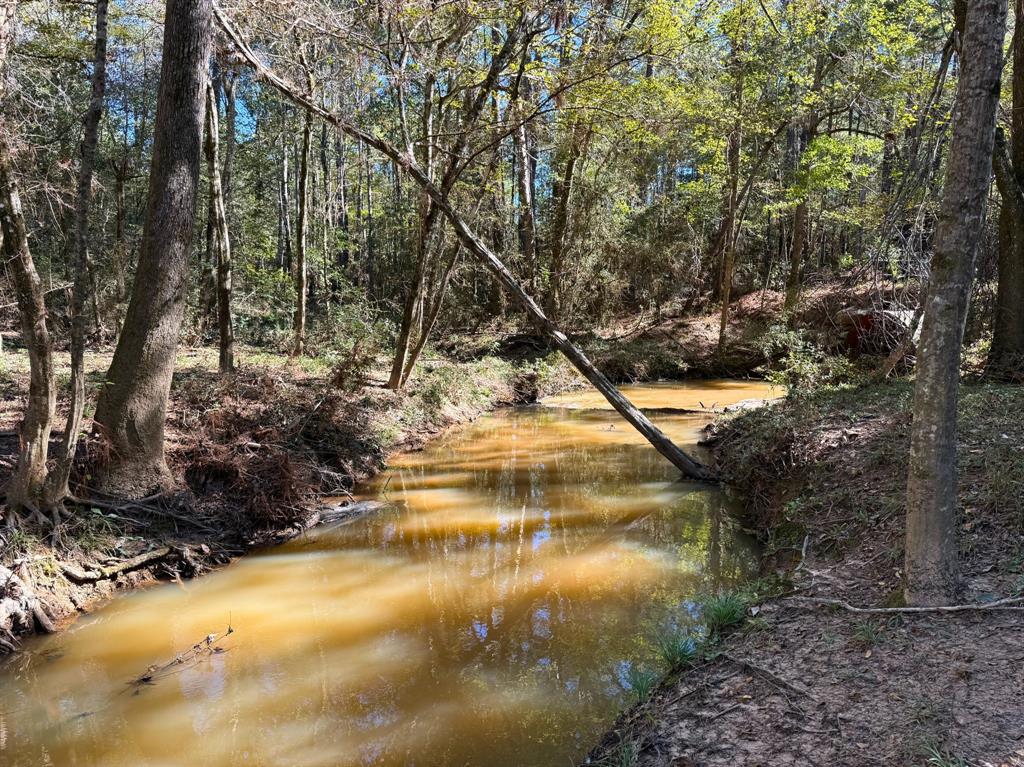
column 490, row 615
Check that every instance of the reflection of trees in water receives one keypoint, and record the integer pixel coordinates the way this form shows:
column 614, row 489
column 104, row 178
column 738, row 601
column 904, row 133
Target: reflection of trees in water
column 530, row 662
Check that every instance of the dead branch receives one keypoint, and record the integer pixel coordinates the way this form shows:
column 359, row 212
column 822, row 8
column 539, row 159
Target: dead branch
column 204, row 647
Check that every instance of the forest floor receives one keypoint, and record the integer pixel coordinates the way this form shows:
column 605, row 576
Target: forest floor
column 805, row 683
column 259, row 456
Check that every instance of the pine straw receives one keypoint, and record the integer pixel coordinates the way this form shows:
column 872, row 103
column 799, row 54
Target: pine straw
column 264, row 448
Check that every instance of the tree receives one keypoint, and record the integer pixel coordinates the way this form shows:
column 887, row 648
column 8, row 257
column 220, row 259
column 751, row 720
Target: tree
column 1006, row 355
column 58, row 489
column 689, row 466
column 221, row 236
column 302, row 226
column 27, row 486
column 132, row 406
column 930, row 565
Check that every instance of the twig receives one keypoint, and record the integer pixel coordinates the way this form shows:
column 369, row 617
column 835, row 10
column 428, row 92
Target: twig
column 1000, row 604
column 722, row 713
column 205, row 646
column 769, row 675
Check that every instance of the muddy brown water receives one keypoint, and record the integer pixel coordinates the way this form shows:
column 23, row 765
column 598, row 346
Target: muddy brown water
column 489, row 615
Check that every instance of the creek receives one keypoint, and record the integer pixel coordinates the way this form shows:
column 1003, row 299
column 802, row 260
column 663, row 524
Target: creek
column 494, row 612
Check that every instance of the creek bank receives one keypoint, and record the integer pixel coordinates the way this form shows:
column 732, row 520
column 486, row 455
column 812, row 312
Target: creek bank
column 255, row 452
column 254, row 455
column 802, row 683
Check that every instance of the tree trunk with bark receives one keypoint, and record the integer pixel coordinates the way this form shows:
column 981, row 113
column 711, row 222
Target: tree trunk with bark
column 930, row 565
column 1006, row 355
column 527, row 220
column 221, row 238
column 561, row 199
column 26, row 488
column 57, row 488
column 132, row 407
column 302, row 225
column 728, row 234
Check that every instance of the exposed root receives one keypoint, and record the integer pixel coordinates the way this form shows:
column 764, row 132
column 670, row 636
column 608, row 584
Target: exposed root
column 20, row 610
column 1008, row 604
column 98, row 573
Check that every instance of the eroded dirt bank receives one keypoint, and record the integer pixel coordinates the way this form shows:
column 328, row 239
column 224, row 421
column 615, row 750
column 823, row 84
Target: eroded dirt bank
column 806, row 683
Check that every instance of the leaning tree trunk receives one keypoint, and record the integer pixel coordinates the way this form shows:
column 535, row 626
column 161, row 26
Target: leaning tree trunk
column 931, row 569
column 27, row 486
column 689, row 466
column 132, row 406
column 222, row 237
column 57, row 488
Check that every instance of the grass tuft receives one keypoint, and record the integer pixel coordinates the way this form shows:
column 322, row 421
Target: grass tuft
column 723, row 612
column 642, row 682
column 677, row 648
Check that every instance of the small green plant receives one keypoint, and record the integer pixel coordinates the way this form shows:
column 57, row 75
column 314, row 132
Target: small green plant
column 942, row 758
column 677, row 648
column 724, row 612
column 627, row 754
column 642, row 682
column 868, row 634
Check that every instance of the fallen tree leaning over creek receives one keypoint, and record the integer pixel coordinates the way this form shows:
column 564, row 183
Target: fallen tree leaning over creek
column 689, row 466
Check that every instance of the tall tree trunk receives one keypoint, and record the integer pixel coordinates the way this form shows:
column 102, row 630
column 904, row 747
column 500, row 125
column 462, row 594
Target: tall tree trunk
column 686, row 464
column 27, row 485
column 1006, row 356
column 931, row 569
column 284, row 219
column 796, row 256
column 58, row 481
column 733, row 157
column 222, row 236
column 132, row 406
column 228, row 81
column 527, row 222
column 301, row 273
column 561, row 194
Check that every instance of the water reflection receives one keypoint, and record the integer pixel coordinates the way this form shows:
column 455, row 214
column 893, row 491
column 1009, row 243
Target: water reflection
column 488, row 616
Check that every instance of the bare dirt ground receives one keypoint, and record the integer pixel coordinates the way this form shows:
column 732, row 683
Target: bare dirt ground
column 804, row 683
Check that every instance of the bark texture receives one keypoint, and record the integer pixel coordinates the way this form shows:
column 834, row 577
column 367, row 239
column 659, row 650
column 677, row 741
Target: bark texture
column 132, row 407
column 27, row 485
column 1006, row 356
column 57, row 483
column 302, row 225
column 930, row 565
column 221, row 236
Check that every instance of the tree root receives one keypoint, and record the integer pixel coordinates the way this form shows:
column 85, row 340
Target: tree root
column 78, row 575
column 1009, row 604
column 20, row 610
